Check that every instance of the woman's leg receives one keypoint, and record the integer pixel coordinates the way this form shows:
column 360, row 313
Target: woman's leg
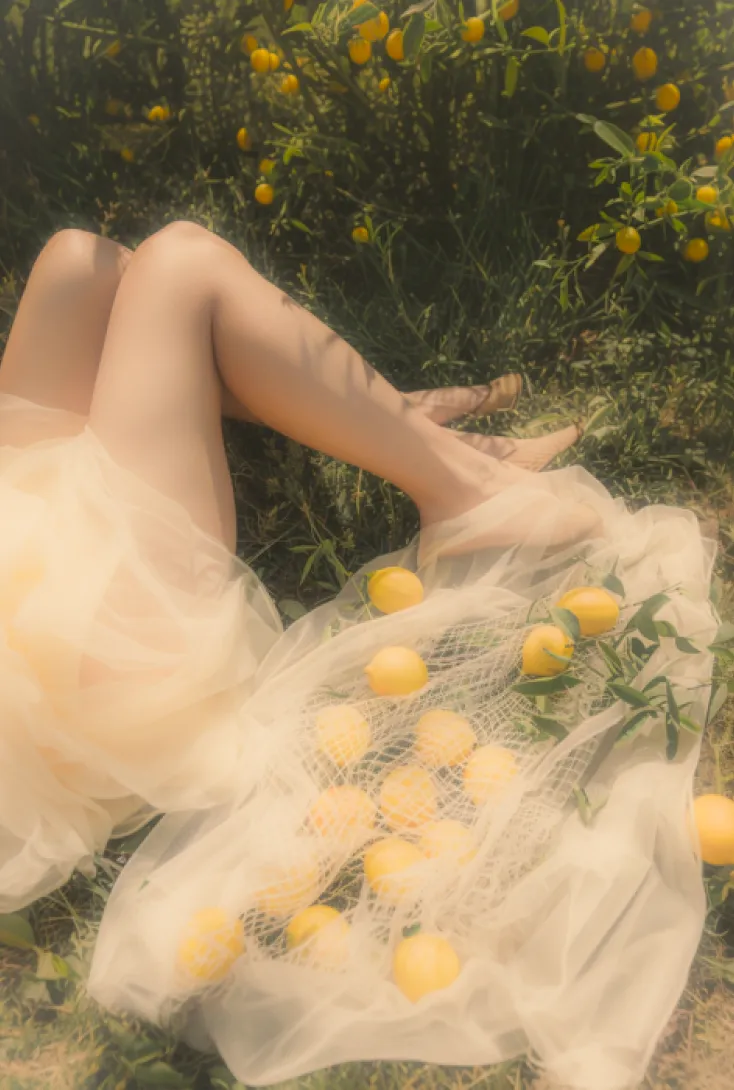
column 192, row 314
column 56, row 339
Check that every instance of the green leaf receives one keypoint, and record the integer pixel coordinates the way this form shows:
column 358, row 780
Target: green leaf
column 567, row 621
column 719, row 697
column 645, row 614
column 16, row 931
column 413, row 34
column 611, row 657
column 512, row 70
column 725, row 634
column 615, row 137
column 292, row 608
column 299, row 28
column 561, row 26
column 411, row 929
column 634, row 724
column 550, row 726
column 544, row 686
column 51, row 967
column 680, row 190
column 672, row 733
column 673, row 708
column 614, row 584
column 624, row 263
column 690, row 724
column 629, row 695
column 360, row 15
column 537, row 33
column 686, row 646
column 583, row 804
column 301, row 226
column 159, row 1074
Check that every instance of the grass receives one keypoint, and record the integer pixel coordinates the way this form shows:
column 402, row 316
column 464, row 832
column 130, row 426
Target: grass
column 665, row 398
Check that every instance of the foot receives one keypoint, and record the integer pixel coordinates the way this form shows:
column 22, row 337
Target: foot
column 451, row 402
column 530, row 454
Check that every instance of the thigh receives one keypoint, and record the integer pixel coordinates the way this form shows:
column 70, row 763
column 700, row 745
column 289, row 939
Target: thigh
column 157, row 400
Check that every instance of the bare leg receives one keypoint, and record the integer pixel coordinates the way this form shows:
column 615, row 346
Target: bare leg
column 531, row 454
column 191, row 314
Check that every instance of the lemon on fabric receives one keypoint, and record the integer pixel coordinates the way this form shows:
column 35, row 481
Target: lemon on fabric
column 645, row 63
column 264, row 193
column 723, row 145
column 424, row 963
column 320, row 935
column 360, row 50
column 667, row 209
column 360, row 234
column 394, row 45
column 488, row 772
column 628, row 240
column 594, row 60
column 287, row 887
column 343, row 734
column 375, row 29
column 248, row 43
column 594, row 608
column 640, row 21
column 389, row 867
column 542, row 639
column 696, row 250
column 212, row 941
column 290, row 85
column 343, row 811
column 473, row 30
column 448, row 838
column 707, row 194
column 646, row 141
column 159, row 113
column 396, row 671
column 509, row 10
column 260, row 60
column 443, row 738
column 667, row 97
column 408, row 797
column 393, row 589
column 714, row 817
column 244, row 140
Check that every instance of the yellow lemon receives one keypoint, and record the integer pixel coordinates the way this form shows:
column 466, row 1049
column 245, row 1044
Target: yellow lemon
column 343, row 734
column 640, row 21
column 667, row 97
column 424, row 963
column 443, row 738
column 287, row 887
column 290, row 85
column 695, row 250
column 264, row 193
column 668, row 209
column 408, row 797
column 389, row 867
column 723, row 145
column 594, row 60
column 396, row 671
column 113, row 48
column 394, row 45
column 359, row 50
column 594, row 608
column 488, row 772
column 646, row 141
column 384, row 84
column 544, row 638
column 375, row 29
column 343, row 811
column 448, row 838
column 244, row 140
column 360, row 234
column 509, row 10
column 128, row 154
column 628, row 240
column 287, row 5
column 707, row 194
column 714, row 816
column 211, row 943
column 473, row 29
column 320, row 935
column 266, row 166
column 248, row 43
column 645, row 63
column 159, row 113
column 260, row 60
column 393, row 589
column 273, row 61
column 717, row 221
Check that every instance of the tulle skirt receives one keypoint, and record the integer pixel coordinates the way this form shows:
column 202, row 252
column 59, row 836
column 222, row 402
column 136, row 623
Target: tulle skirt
column 129, row 641
column 558, row 905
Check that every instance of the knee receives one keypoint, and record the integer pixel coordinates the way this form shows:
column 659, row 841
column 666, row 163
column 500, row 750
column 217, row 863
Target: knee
column 178, row 239
column 82, row 258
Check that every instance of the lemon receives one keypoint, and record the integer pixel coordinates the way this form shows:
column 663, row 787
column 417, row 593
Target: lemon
column 509, row 10
column 695, row 250
column 287, row 887
column 544, row 638
column 343, row 811
column 473, row 29
column 290, row 85
column 714, row 816
column 127, row 154
column 211, row 943
column 260, row 60
column 375, row 29
column 594, row 60
column 628, row 240
column 593, row 607
column 273, row 61
column 320, row 935
column 244, row 140
column 488, row 772
column 408, row 797
column 343, row 734
column 707, row 194
column 723, row 145
column 717, row 221
column 266, row 166
column 159, row 113
column 287, row 5
column 448, row 838
column 443, row 738
column 360, row 50
column 424, row 963
column 640, row 21
column 389, row 869
column 645, row 63
column 264, row 193
column 393, row 589
column 384, row 84
column 394, row 45
column 646, row 141
column 248, row 44
column 396, row 671
column 667, row 97
column 668, row 209
column 113, row 49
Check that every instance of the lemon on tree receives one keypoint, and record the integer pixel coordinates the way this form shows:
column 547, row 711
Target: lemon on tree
column 408, row 797
column 396, row 671
column 393, row 589
column 248, row 44
column 473, row 30
column 360, row 50
column 212, row 941
column 594, row 59
column 667, row 97
column 488, row 772
column 244, row 140
column 159, row 113
column 640, row 21
column 646, row 141
column 628, row 240
column 290, row 85
column 696, row 250
column 424, row 963
column 360, row 234
column 375, row 29
column 264, row 193
column 343, row 734
column 394, row 45
column 384, row 84
column 273, row 61
column 714, row 818
column 594, row 608
column 707, row 194
column 266, row 166
column 260, row 60
column 723, row 145
column 284, row 888
column 667, row 209
column 319, row 936
column 717, row 221
column 509, row 10
column 390, row 867
column 443, row 738
column 645, row 63
column 542, row 639
column 448, row 838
